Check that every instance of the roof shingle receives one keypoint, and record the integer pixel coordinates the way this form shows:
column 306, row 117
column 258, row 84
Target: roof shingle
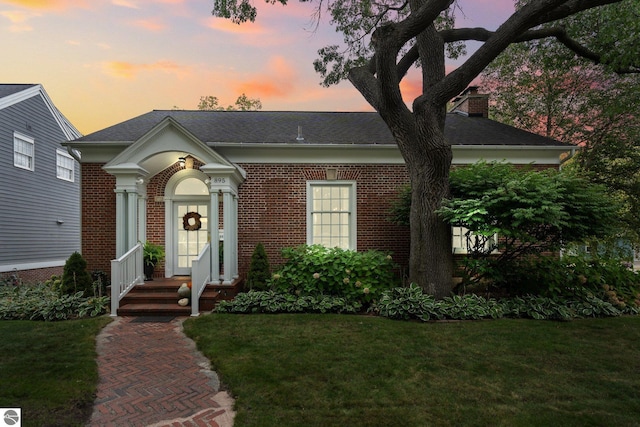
column 315, row 127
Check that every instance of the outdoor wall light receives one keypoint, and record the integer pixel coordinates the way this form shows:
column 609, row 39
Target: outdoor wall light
column 182, row 161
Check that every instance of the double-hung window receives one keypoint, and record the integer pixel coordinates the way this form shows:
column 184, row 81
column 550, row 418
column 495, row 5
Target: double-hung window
column 65, row 166
column 464, row 242
column 331, row 214
column 23, row 151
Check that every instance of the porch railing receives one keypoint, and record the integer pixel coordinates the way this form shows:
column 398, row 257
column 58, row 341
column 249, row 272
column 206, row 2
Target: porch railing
column 200, row 276
column 126, row 272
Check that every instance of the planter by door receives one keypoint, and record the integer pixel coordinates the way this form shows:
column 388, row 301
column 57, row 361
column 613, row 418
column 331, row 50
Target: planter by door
column 148, row 271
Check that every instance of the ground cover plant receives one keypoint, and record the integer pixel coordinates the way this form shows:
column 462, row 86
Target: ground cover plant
column 335, row 370
column 49, row 370
column 44, row 301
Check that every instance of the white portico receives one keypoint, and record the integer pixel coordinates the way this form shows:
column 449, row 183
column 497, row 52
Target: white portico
column 168, row 154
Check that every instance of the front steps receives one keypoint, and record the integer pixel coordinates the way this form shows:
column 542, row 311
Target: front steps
column 160, row 298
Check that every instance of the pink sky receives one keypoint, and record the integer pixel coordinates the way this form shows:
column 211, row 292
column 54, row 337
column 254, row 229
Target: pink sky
column 105, row 61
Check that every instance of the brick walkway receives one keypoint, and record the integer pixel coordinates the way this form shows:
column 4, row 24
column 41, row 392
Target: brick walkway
column 152, row 375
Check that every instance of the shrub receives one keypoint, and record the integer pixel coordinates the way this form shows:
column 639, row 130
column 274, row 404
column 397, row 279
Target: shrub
column 259, row 271
column 316, row 270
column 75, row 277
column 279, row 302
column 411, row 303
column 44, row 302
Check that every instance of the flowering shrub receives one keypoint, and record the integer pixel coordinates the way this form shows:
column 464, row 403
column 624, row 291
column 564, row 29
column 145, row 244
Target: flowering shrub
column 316, row 270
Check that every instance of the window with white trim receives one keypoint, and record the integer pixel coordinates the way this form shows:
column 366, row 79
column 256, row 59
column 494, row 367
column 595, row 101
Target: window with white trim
column 65, row 166
column 331, row 214
column 23, row 151
column 463, row 241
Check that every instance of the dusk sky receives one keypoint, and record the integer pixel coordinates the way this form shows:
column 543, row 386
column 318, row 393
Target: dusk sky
column 105, row 61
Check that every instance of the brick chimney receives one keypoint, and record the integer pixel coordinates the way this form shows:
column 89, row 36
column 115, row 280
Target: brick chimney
column 471, row 103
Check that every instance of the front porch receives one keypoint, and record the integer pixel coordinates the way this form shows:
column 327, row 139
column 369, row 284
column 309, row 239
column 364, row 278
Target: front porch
column 160, row 298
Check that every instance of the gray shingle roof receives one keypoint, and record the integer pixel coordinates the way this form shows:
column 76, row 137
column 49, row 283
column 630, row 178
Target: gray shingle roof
column 10, row 89
column 316, row 128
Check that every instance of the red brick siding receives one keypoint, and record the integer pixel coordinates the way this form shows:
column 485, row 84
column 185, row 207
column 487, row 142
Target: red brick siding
column 98, row 217
column 36, row 275
column 272, row 208
column 475, row 106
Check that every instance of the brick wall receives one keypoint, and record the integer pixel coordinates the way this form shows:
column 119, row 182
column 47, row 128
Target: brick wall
column 98, row 217
column 36, row 275
column 271, row 209
column 273, row 206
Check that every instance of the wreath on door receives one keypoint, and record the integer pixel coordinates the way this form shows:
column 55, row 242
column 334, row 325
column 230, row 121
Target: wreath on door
column 190, row 225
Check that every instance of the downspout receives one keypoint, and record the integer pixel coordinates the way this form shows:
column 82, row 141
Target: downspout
column 73, row 154
column 571, row 155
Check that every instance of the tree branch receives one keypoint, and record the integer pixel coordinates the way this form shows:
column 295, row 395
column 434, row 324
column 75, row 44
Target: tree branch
column 511, row 31
column 559, row 33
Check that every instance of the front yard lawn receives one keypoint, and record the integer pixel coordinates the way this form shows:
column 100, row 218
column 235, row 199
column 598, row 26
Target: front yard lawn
column 49, row 370
column 344, row 370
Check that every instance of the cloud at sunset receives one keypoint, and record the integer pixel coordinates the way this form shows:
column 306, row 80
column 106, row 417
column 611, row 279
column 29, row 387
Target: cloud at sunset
column 151, row 24
column 125, row 3
column 226, row 26
column 277, row 80
column 130, row 70
column 49, row 4
column 18, row 19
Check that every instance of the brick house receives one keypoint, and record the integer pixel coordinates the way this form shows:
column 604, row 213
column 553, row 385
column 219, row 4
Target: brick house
column 185, row 178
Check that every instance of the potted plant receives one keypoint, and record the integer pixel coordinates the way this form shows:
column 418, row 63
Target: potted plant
column 152, row 255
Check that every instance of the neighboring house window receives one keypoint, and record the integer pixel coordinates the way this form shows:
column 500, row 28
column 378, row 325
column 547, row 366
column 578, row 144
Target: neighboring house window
column 65, row 166
column 463, row 242
column 331, row 214
column 23, row 151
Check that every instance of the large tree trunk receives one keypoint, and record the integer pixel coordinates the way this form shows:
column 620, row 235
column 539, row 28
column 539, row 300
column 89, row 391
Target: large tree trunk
column 428, row 160
column 431, row 260
column 428, row 156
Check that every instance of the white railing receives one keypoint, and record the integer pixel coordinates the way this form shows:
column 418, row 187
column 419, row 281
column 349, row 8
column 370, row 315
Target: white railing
column 200, row 276
column 126, row 272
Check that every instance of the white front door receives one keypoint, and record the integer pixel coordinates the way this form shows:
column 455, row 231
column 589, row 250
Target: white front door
column 191, row 233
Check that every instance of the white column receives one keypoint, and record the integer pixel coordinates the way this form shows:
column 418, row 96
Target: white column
column 142, row 214
column 214, row 226
column 234, row 231
column 132, row 220
column 227, row 213
column 121, row 222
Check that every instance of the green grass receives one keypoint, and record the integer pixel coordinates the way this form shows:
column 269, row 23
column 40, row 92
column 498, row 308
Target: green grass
column 332, row 370
column 49, row 370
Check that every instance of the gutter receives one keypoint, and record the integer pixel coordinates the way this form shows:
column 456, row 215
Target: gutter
column 73, row 154
column 571, row 155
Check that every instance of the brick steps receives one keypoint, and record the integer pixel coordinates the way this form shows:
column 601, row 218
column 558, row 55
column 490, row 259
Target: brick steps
column 160, row 298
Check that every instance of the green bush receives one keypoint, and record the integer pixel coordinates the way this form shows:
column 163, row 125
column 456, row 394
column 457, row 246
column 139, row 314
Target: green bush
column 279, row 302
column 75, row 277
column 259, row 271
column 44, row 302
column 315, row 270
column 411, row 303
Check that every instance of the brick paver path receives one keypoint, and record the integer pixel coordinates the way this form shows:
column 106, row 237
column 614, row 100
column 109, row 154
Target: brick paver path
column 152, row 375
